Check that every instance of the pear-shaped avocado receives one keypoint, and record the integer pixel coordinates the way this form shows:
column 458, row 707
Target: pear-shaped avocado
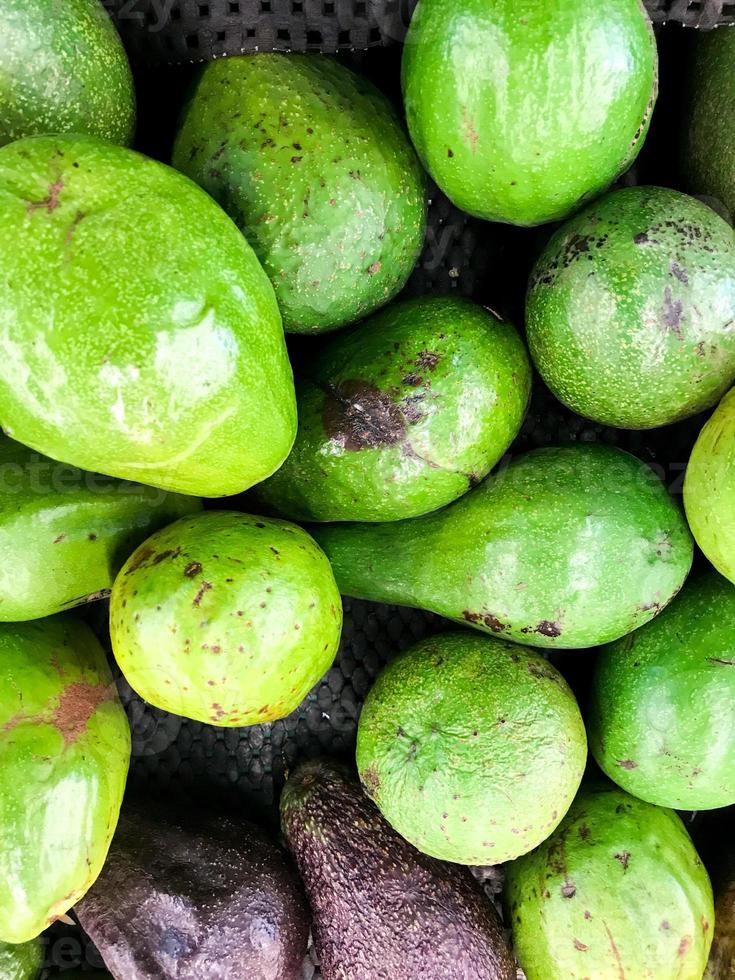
column 662, row 720
column 64, row 754
column 63, row 70
column 194, row 895
column 617, row 891
column 534, row 554
column 226, row 618
column 709, row 488
column 65, row 533
column 403, row 414
column 381, row 908
column 631, row 309
column 473, row 748
column 21, row 961
column 313, row 165
column 708, row 130
column 521, row 114
column 140, row 336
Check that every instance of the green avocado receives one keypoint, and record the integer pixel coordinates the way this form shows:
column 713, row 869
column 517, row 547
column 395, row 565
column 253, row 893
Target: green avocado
column 64, row 755
column 140, row 336
column 380, row 907
column 63, row 69
column 708, row 136
column 403, row 414
column 534, row 554
column 662, row 720
column 313, row 165
column 472, row 748
column 225, row 618
column 631, row 309
column 709, row 488
column 617, row 891
column 520, row 114
column 21, row 961
column 65, row 533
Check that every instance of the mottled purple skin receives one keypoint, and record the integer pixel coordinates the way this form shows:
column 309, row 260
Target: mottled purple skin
column 196, row 897
column 382, row 909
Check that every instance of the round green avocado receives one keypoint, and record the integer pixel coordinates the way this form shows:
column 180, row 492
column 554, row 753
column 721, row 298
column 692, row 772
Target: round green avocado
column 312, row 163
column 662, row 718
column 65, row 533
column 140, row 336
column 522, row 113
column 63, row 69
column 225, row 618
column 64, row 755
column 472, row 748
column 631, row 309
column 403, row 414
column 709, row 133
column 709, row 488
column 21, row 961
column 617, row 891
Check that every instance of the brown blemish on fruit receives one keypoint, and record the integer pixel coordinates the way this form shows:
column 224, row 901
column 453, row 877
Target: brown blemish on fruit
column 192, row 569
column 545, row 628
column 486, row 619
column 427, row 360
column 615, row 951
column 360, row 416
column 624, row 858
column 218, row 712
column 568, row 890
column 686, row 942
column 627, row 764
column 163, row 555
column 679, row 273
column 139, row 559
column 371, row 780
column 77, row 704
column 51, row 202
column 580, row 946
column 92, row 536
column 719, row 660
column 584, row 832
column 641, row 238
column 470, row 131
column 671, row 313
column 374, row 268
column 204, row 587
column 59, row 539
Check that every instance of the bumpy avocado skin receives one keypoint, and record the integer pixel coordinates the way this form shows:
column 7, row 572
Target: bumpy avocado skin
column 311, row 162
column 64, row 755
column 194, row 895
column 21, row 961
column 708, row 123
column 534, row 554
column 381, row 908
column 63, row 69
column 522, row 115
column 631, row 309
column 617, row 891
column 709, row 488
column 226, row 618
column 403, row 415
column 65, row 533
column 472, row 748
column 140, row 336
column 662, row 719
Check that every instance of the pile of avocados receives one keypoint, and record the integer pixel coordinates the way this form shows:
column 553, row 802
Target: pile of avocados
column 192, row 477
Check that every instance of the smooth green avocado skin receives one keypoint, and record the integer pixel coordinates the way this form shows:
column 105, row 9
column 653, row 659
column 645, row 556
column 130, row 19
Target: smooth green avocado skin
column 617, row 891
column 313, row 165
column 63, row 69
column 631, row 309
column 534, row 554
column 226, row 618
column 65, row 533
column 522, row 115
column 64, row 756
column 709, row 488
column 403, row 414
column 472, row 748
column 708, row 138
column 21, row 961
column 140, row 336
column 662, row 717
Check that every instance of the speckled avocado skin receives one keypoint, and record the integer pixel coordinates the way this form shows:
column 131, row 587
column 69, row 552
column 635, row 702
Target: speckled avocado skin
column 64, row 755
column 381, row 908
column 708, row 138
column 63, row 69
column 21, row 961
column 631, row 309
column 140, row 336
column 662, row 719
column 64, row 533
column 404, row 414
column 226, row 618
column 472, row 748
column 313, row 165
column 195, row 895
column 617, row 891
column 522, row 114
column 534, row 554
column 709, row 488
